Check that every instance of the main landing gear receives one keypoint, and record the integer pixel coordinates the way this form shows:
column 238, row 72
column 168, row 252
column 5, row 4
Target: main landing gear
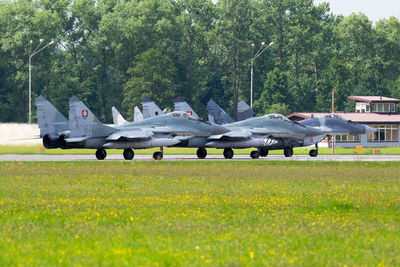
column 201, row 153
column 228, row 153
column 128, row 154
column 263, row 151
column 101, row 154
column 314, row 152
column 158, row 155
column 288, row 152
column 255, row 154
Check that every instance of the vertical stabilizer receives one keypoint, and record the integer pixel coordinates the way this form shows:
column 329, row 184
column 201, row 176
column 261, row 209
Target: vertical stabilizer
column 216, row 114
column 83, row 122
column 150, row 109
column 244, row 111
column 182, row 105
column 137, row 115
column 50, row 120
column 117, row 117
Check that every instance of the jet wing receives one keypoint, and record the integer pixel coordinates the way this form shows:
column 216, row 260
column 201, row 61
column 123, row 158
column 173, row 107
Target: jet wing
column 137, row 134
column 276, row 131
column 233, row 135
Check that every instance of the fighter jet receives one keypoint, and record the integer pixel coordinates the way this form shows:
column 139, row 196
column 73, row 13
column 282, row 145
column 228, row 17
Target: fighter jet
column 269, row 132
column 272, row 131
column 332, row 124
column 163, row 130
column 51, row 122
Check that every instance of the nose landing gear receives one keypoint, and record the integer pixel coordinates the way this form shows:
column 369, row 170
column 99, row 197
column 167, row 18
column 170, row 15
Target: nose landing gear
column 255, row 154
column 314, row 152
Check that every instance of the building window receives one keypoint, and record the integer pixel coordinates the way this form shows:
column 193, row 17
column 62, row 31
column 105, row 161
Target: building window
column 385, row 133
column 362, row 107
column 341, row 138
column 383, row 107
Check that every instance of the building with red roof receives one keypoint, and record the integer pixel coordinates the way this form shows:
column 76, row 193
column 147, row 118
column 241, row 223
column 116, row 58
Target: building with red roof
column 378, row 112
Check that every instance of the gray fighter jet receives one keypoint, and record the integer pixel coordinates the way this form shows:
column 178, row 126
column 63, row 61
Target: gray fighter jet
column 51, row 122
column 328, row 125
column 334, row 124
column 269, row 132
column 160, row 131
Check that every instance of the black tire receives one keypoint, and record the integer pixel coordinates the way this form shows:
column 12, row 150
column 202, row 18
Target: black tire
column 128, row 154
column 62, row 143
column 101, row 154
column 157, row 155
column 254, row 154
column 288, row 152
column 228, row 153
column 263, row 151
column 313, row 153
column 201, row 153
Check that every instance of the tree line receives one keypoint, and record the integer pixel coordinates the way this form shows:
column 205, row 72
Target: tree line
column 115, row 52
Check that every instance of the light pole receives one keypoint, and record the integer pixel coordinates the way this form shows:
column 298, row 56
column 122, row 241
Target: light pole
column 253, row 57
column 30, row 70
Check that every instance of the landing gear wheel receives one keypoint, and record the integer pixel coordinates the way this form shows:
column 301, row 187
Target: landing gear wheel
column 157, row 155
column 254, row 154
column 263, row 152
column 128, row 154
column 288, row 152
column 228, row 153
column 201, row 153
column 313, row 153
column 101, row 154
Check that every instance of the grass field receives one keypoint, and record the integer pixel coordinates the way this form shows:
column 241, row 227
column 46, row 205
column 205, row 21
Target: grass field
column 200, row 213
column 39, row 149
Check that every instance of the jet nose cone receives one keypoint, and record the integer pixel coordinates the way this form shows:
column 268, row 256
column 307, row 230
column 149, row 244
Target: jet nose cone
column 369, row 129
column 218, row 129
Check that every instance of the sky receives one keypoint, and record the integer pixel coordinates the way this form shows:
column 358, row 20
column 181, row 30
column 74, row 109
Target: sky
column 374, row 9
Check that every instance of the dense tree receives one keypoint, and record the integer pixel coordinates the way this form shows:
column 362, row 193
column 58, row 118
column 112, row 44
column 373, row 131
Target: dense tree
column 113, row 53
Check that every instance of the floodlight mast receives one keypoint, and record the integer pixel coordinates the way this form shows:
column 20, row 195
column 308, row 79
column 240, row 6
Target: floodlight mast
column 30, row 75
column 253, row 57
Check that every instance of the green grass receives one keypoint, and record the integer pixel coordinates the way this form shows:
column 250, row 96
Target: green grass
column 200, row 213
column 39, row 149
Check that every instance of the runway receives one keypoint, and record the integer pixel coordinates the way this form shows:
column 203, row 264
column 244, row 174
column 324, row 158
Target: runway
column 115, row 157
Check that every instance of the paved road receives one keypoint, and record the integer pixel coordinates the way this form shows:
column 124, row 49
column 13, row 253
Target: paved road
column 11, row 157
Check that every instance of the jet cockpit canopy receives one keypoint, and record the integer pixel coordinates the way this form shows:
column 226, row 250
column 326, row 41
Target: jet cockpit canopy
column 181, row 114
column 333, row 116
column 275, row 116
